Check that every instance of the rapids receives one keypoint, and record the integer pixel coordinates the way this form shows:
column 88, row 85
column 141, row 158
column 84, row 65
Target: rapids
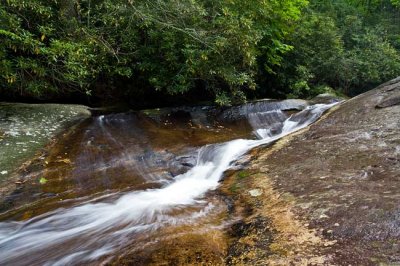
column 94, row 229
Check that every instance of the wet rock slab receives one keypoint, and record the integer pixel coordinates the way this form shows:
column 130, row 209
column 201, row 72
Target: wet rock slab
column 25, row 128
column 341, row 179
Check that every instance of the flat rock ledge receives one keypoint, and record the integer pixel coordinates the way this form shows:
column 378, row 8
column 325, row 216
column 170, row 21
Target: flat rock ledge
column 26, row 128
column 330, row 195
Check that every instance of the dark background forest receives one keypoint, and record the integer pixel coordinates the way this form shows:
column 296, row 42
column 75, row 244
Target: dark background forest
column 149, row 53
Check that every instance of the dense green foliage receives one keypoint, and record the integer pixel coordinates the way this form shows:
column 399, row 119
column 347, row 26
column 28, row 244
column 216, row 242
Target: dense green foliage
column 225, row 49
column 347, row 46
column 169, row 45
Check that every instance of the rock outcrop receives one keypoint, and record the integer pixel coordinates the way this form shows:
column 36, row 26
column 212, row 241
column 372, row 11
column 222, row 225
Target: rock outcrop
column 25, row 128
column 329, row 195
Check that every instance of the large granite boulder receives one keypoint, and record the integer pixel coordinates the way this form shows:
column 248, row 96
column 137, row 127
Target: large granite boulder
column 329, row 195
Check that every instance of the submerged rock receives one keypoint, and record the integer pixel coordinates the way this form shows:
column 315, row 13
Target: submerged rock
column 209, row 116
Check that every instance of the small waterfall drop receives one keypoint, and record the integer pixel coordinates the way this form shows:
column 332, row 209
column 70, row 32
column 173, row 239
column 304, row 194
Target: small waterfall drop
column 97, row 228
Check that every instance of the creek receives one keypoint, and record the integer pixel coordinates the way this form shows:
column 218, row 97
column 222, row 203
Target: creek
column 122, row 183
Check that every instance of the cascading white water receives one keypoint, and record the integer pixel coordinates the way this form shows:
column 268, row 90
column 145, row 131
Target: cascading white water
column 93, row 229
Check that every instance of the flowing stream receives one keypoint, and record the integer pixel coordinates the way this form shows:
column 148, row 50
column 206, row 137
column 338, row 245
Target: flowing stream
column 96, row 228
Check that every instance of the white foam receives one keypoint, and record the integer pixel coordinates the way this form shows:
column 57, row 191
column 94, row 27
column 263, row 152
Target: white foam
column 91, row 230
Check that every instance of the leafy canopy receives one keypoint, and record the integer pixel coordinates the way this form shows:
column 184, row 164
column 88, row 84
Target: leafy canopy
column 167, row 45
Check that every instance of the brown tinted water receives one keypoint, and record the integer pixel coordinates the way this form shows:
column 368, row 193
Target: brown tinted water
column 134, row 188
column 116, row 153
